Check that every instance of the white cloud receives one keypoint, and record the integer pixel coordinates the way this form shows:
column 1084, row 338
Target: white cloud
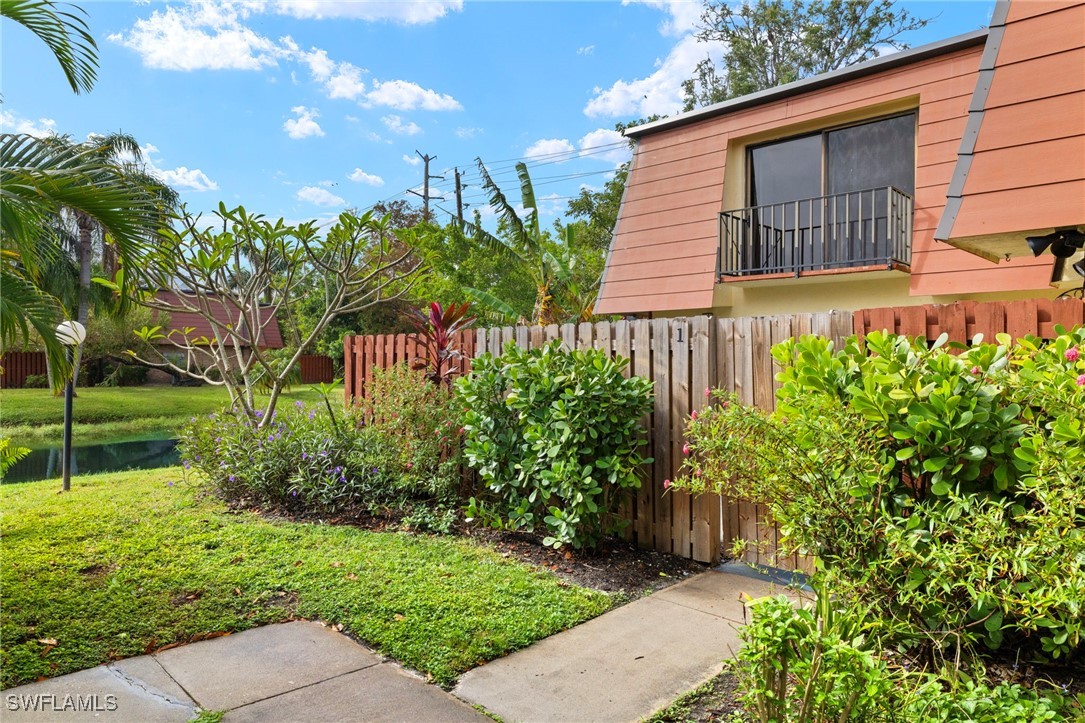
column 395, row 124
column 319, row 196
column 467, row 133
column 13, row 123
column 340, row 79
column 605, row 144
column 405, row 95
column 181, row 178
column 660, row 92
column 412, row 160
column 369, row 179
column 548, row 147
column 202, row 36
column 585, row 50
column 304, row 125
column 683, row 15
column 409, row 13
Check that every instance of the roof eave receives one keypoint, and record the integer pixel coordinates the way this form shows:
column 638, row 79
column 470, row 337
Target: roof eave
column 859, row 70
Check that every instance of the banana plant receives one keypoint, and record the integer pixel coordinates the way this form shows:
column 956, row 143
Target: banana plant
column 527, row 249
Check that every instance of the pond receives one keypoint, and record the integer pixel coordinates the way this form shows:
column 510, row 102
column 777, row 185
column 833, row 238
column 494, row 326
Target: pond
column 45, row 463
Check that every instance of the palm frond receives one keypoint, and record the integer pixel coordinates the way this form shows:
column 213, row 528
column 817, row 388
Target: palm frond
column 65, row 33
column 500, row 203
column 527, row 194
column 24, row 306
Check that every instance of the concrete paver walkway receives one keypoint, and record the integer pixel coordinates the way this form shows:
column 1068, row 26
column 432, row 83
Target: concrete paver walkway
column 625, row 664
column 291, row 672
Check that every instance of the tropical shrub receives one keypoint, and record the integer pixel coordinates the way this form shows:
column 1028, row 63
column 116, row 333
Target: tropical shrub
column 945, row 488
column 397, row 457
column 436, row 330
column 36, row 381
column 823, row 662
column 554, row 437
column 10, row 455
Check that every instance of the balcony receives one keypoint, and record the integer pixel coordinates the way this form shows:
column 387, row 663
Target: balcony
column 866, row 229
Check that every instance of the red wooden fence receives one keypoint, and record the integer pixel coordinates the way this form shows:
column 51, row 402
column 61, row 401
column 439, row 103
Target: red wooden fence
column 362, row 353
column 962, row 320
column 18, row 365
column 316, row 369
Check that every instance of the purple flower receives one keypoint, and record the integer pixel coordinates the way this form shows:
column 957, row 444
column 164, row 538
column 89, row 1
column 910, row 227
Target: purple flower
column 259, row 414
column 170, row 484
column 232, row 478
column 305, row 455
column 187, row 466
column 218, row 439
column 342, row 478
column 337, row 470
column 294, row 493
column 312, row 414
column 299, row 404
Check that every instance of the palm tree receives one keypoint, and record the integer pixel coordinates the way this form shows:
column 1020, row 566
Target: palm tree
column 528, row 249
column 66, row 34
column 39, row 180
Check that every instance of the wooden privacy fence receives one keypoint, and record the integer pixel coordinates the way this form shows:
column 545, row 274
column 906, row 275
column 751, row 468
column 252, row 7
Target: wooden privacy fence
column 685, row 356
column 18, row 365
column 383, row 351
column 316, row 369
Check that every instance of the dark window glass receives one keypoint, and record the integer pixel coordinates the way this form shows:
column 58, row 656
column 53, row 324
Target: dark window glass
column 871, row 155
column 785, row 171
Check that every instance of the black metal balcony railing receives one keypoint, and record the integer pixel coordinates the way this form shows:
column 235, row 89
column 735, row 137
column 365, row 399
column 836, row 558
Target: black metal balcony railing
column 846, row 230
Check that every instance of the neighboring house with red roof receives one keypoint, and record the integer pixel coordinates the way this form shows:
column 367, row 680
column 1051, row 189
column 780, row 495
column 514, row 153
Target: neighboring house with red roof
column 224, row 312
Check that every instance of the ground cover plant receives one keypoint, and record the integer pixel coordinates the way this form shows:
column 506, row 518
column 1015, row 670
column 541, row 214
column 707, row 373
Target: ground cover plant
column 97, row 575
column 940, row 494
column 30, row 416
column 554, row 435
column 398, row 453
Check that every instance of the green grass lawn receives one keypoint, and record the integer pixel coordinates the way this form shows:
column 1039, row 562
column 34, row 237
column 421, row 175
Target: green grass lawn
column 127, row 563
column 34, row 417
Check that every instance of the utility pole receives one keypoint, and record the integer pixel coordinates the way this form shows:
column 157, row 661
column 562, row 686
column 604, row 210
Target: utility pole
column 459, row 198
column 426, row 198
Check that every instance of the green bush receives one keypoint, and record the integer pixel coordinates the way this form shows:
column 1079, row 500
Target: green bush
column 810, row 664
column 554, row 436
column 36, row 381
column 946, row 488
column 398, row 456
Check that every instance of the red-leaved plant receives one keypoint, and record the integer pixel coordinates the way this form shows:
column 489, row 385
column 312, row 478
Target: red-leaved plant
column 436, row 332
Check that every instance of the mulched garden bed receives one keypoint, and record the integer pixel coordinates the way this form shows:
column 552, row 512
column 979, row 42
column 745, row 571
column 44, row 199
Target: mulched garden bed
column 616, row 567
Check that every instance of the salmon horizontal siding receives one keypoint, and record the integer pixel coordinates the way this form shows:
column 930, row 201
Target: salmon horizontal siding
column 675, row 266
column 651, row 254
column 691, row 231
column 680, row 183
column 1044, row 77
column 1060, row 29
column 1040, row 120
column 1020, row 11
column 692, row 300
column 1035, row 164
column 1002, row 279
column 1022, row 209
column 660, row 211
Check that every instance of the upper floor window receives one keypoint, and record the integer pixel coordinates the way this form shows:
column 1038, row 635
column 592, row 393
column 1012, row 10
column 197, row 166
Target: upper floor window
column 835, row 199
column 860, row 157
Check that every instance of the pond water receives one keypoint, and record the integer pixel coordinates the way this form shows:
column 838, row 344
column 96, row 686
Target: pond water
column 45, row 463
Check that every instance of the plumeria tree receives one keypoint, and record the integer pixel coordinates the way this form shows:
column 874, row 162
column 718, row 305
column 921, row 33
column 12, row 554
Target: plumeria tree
column 240, row 274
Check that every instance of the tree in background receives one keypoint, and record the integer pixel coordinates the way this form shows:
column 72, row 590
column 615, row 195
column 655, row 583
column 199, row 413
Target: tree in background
column 772, row 42
column 237, row 280
column 525, row 248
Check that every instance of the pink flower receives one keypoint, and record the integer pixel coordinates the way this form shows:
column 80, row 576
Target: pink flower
column 1081, row 381
column 666, row 484
column 1071, row 354
column 708, row 391
column 410, row 465
column 726, row 404
column 463, row 429
column 976, row 371
column 697, row 473
column 685, row 448
column 693, row 414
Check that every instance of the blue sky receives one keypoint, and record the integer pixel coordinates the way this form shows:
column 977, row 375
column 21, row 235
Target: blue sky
column 301, row 108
